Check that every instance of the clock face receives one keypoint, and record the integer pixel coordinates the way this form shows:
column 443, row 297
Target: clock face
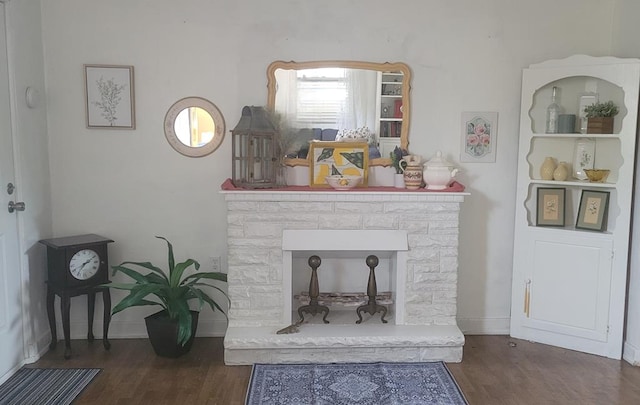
column 84, row 264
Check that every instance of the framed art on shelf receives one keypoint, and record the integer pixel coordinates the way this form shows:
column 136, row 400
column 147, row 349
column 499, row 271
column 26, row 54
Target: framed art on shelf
column 337, row 158
column 479, row 137
column 550, row 205
column 109, row 96
column 592, row 212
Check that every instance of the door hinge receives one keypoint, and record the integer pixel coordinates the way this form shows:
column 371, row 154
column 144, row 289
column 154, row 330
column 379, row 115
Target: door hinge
column 608, row 329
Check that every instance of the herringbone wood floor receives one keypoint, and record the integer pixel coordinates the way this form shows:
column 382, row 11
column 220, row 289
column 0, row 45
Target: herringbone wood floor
column 495, row 370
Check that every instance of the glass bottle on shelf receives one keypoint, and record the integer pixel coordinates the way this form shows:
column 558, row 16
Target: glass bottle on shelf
column 553, row 111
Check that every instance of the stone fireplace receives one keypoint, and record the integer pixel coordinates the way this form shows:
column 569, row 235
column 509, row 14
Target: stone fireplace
column 271, row 234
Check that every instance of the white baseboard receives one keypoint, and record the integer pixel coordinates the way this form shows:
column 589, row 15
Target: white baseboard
column 134, row 330
column 484, row 326
column 631, row 354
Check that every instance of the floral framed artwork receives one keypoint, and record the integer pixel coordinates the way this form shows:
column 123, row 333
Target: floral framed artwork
column 592, row 212
column 109, row 96
column 550, row 207
column 337, row 158
column 479, row 136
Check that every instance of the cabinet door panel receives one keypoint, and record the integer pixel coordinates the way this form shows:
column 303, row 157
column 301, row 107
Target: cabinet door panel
column 570, row 284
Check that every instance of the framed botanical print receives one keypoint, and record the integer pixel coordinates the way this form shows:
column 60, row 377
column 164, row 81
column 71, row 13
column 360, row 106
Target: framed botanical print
column 337, row 158
column 551, row 207
column 592, row 213
column 479, row 137
column 109, row 98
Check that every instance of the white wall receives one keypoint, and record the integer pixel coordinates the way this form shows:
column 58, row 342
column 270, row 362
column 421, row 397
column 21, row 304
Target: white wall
column 625, row 43
column 130, row 185
column 32, row 164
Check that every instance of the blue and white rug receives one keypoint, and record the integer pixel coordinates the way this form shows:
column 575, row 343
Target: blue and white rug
column 45, row 386
column 353, row 383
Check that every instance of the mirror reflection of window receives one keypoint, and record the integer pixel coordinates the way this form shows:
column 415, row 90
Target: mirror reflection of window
column 194, row 127
column 327, row 97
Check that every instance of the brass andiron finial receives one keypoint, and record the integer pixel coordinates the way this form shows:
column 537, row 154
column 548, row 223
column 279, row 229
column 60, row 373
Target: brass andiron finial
column 372, row 306
column 314, row 291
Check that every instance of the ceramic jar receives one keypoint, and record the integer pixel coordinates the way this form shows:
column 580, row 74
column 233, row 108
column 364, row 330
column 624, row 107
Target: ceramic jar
column 547, row 168
column 561, row 173
column 412, row 172
column 438, row 173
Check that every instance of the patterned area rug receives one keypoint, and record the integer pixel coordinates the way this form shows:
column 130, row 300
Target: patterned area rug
column 353, row 383
column 45, row 386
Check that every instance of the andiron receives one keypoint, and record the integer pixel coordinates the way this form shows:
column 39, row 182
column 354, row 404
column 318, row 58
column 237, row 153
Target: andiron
column 313, row 307
column 372, row 307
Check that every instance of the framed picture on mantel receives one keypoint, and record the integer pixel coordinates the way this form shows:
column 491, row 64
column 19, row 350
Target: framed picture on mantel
column 550, row 207
column 337, row 158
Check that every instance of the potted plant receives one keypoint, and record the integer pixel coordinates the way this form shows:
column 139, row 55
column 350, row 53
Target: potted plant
column 600, row 117
column 171, row 330
column 396, row 161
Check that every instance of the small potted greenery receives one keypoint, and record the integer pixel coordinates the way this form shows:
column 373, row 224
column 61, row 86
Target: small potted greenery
column 600, row 117
column 397, row 163
column 171, row 330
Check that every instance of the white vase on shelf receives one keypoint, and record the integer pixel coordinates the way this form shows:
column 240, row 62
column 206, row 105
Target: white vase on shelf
column 547, row 168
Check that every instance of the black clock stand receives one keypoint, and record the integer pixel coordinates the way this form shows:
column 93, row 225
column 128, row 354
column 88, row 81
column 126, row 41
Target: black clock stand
column 65, row 295
column 70, row 277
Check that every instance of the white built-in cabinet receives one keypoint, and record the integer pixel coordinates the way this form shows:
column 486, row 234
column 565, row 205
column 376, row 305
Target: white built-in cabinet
column 569, row 284
column 389, row 111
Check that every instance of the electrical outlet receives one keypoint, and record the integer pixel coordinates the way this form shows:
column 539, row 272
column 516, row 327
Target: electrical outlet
column 215, row 263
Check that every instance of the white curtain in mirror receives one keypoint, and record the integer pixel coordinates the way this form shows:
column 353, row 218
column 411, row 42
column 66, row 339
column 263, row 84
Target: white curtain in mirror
column 360, row 106
column 287, row 95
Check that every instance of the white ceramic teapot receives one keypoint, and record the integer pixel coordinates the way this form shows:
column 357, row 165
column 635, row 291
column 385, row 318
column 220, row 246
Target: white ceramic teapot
column 438, row 173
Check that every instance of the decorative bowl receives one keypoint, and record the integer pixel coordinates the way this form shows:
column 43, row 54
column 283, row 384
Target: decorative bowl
column 597, row 175
column 340, row 182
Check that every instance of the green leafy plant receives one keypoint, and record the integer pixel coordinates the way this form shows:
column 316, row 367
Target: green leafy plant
column 605, row 109
column 396, row 158
column 172, row 291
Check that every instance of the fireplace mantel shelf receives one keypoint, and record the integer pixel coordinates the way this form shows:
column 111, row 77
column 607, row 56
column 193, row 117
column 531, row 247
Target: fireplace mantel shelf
column 454, row 189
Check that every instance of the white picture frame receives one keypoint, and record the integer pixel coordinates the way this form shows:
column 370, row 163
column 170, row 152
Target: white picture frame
column 479, row 137
column 109, row 96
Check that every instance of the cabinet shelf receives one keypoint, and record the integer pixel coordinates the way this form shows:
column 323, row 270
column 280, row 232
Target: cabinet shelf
column 571, row 230
column 559, row 136
column 575, row 183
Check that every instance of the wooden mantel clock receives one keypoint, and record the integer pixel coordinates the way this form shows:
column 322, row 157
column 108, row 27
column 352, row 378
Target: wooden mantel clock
column 77, row 265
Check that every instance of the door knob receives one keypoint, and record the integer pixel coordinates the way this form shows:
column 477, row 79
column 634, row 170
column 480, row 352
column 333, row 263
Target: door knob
column 16, row 206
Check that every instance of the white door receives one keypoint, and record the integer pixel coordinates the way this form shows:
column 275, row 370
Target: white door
column 11, row 349
column 565, row 293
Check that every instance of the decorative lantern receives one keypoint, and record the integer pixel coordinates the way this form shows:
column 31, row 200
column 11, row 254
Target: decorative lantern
column 255, row 150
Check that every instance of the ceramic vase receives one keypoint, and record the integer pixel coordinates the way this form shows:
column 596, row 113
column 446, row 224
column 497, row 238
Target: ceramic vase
column 398, row 180
column 547, row 168
column 412, row 172
column 561, row 172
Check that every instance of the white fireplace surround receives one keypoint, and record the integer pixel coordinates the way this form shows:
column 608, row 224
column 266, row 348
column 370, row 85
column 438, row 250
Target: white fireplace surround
column 416, row 232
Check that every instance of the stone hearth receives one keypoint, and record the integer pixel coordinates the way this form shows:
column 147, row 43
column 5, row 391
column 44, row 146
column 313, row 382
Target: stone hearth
column 422, row 326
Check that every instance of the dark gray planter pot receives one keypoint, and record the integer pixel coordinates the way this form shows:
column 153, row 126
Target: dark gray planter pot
column 163, row 334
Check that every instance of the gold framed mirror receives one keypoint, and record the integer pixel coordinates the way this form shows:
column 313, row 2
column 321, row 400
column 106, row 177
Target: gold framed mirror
column 194, row 126
column 329, row 97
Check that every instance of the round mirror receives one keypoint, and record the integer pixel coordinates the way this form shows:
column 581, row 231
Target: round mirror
column 194, row 126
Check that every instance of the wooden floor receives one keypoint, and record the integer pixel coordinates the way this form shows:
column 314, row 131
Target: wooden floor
column 495, row 370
